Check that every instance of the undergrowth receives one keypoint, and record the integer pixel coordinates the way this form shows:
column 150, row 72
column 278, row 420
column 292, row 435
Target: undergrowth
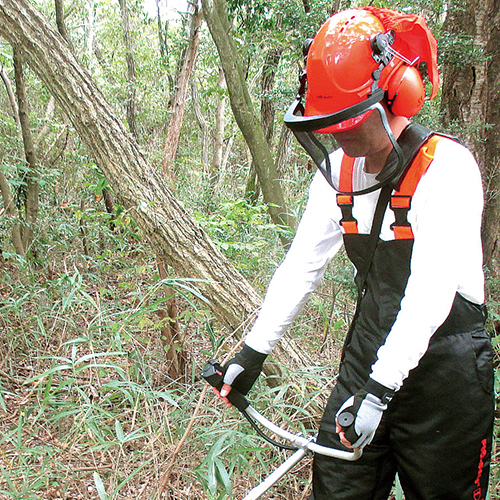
column 87, row 408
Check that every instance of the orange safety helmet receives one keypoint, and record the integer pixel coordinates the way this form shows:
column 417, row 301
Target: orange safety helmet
column 340, row 66
column 358, row 57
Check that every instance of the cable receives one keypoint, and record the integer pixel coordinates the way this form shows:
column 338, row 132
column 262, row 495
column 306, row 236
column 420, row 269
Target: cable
column 267, row 438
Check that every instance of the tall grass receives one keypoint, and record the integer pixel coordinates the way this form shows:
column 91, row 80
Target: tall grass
column 86, row 408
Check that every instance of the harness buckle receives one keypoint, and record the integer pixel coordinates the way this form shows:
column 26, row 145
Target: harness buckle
column 348, row 222
column 400, row 205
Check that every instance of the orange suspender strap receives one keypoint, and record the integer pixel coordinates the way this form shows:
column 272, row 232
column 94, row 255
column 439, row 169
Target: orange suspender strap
column 345, row 201
column 401, row 199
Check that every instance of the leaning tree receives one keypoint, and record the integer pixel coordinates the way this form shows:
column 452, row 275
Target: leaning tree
column 174, row 237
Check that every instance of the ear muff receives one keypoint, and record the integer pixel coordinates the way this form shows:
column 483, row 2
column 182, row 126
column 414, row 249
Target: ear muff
column 405, row 91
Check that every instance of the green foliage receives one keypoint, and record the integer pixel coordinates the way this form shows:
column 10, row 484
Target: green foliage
column 459, row 50
column 243, row 232
column 85, row 379
column 84, row 382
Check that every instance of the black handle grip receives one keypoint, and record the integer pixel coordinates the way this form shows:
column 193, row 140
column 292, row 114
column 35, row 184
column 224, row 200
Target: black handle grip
column 213, row 373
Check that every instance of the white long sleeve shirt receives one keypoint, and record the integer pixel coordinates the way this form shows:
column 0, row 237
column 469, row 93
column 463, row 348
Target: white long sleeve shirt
column 445, row 216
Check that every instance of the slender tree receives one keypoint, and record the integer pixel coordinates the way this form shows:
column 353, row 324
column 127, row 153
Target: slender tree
column 31, row 184
column 61, row 25
column 7, row 195
column 12, row 98
column 217, row 158
column 162, row 39
column 129, row 57
column 174, row 127
column 267, row 111
column 202, row 122
column 171, row 334
column 216, row 16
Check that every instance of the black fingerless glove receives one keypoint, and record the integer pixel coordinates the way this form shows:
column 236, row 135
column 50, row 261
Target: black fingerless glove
column 243, row 370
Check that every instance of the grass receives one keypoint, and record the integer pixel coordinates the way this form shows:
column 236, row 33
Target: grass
column 86, row 407
column 88, row 411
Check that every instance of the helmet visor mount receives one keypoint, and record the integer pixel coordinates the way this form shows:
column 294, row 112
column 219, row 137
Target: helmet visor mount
column 319, row 145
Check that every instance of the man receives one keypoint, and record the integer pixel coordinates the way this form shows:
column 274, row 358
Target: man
column 415, row 387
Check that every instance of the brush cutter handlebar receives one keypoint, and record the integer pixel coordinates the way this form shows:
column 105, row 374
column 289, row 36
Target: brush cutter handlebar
column 213, row 373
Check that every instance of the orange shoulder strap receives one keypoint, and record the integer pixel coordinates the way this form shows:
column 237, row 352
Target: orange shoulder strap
column 346, row 169
column 401, row 198
column 346, row 201
column 419, row 166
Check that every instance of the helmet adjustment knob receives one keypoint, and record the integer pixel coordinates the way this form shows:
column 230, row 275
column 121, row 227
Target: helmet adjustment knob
column 381, row 47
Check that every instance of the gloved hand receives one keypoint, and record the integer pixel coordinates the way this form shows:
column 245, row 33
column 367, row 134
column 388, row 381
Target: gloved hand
column 359, row 417
column 243, row 370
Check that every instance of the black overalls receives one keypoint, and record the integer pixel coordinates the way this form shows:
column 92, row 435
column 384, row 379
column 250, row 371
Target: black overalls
column 437, row 431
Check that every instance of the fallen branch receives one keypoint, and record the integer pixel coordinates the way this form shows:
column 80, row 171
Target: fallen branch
column 166, row 476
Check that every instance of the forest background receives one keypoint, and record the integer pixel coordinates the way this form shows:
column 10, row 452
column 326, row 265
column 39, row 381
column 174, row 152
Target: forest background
column 149, row 190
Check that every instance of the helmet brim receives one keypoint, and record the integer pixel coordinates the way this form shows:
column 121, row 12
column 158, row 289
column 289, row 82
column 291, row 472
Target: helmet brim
column 296, row 120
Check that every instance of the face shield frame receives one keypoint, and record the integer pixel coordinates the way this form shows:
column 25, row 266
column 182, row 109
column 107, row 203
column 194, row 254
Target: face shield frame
column 296, row 121
column 319, row 145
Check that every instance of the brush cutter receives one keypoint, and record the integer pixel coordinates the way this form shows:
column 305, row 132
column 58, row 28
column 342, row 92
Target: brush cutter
column 213, row 373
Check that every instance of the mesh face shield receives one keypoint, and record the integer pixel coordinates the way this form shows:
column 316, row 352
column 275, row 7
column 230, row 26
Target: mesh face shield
column 319, row 145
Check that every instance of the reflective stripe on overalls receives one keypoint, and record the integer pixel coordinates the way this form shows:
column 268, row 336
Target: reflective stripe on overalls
column 436, row 433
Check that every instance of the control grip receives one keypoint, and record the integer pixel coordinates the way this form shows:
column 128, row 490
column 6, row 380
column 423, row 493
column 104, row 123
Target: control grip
column 213, row 373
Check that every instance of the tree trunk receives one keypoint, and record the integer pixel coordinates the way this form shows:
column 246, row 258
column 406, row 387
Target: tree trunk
column 203, row 126
column 90, row 27
column 10, row 211
column 271, row 62
column 31, row 177
column 221, row 173
column 491, row 160
column 174, row 127
column 172, row 233
column 252, row 190
column 103, row 63
column 129, row 57
column 471, row 101
column 47, row 120
column 110, row 207
column 8, row 199
column 216, row 16
column 219, row 130
column 161, row 36
column 334, row 8
column 171, row 338
column 61, row 25
column 284, row 148
column 83, row 230
column 12, row 98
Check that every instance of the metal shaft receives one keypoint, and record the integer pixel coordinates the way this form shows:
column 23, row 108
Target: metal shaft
column 270, row 480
